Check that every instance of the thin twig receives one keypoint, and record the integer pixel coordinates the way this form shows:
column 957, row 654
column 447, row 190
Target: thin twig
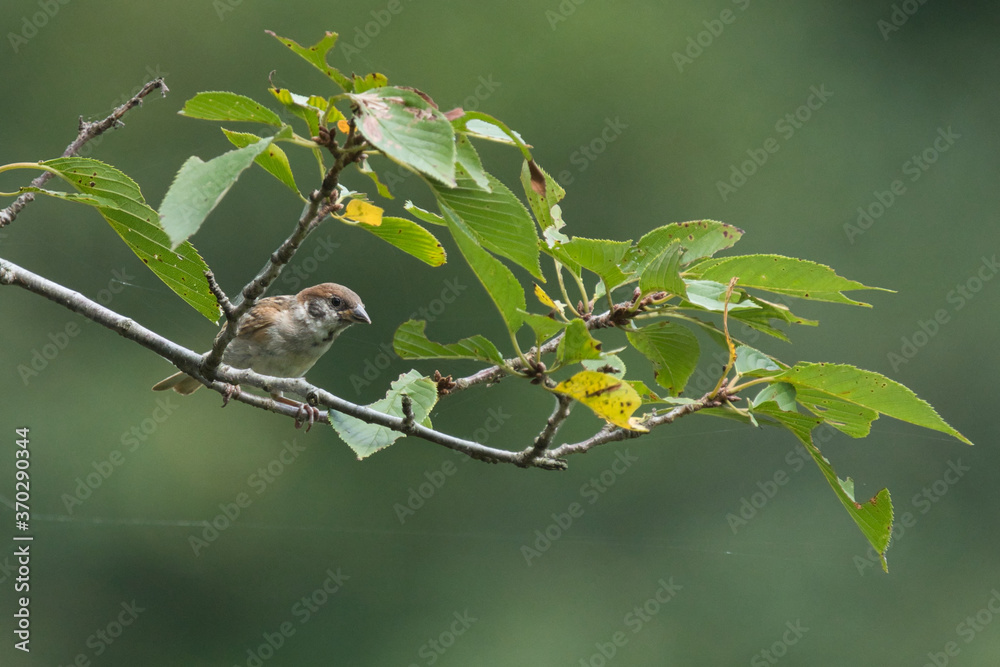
column 559, row 414
column 614, row 433
column 220, row 296
column 614, row 317
column 87, row 132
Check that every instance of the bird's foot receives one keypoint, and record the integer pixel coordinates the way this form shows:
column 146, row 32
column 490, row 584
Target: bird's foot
column 231, row 391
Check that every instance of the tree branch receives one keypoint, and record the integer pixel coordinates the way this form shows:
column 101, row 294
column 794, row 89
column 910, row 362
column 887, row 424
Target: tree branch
column 190, row 362
column 563, row 405
column 87, row 132
column 618, row 315
column 611, row 433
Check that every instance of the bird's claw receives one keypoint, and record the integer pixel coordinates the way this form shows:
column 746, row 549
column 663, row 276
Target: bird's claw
column 307, row 414
column 231, row 391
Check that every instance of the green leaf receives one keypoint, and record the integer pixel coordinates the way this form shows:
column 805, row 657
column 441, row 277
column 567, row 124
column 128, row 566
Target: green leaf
column 600, row 256
column 663, row 272
column 610, row 398
column 754, row 362
column 544, row 327
column 577, row 344
column 483, row 126
column 850, row 418
column 499, row 281
column 410, row 342
column 366, row 169
column 672, row 348
column 316, row 56
column 649, row 396
column 89, row 200
column 700, row 238
column 542, row 192
column 408, row 130
column 369, row 81
column 409, row 237
column 125, row 209
column 783, row 275
column 868, row 390
column 607, row 363
column 199, row 186
column 221, row 105
column 273, row 160
column 711, row 295
column 496, row 217
column 425, row 215
column 468, row 159
column 304, row 107
column 366, row 439
column 873, row 517
column 761, row 318
column 781, row 393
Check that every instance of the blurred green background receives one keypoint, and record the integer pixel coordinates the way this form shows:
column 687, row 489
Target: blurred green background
column 449, row 583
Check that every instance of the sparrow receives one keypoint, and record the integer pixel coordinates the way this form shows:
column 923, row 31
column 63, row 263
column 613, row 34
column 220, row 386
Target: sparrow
column 285, row 336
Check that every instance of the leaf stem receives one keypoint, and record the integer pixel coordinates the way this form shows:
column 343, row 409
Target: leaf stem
column 562, row 287
column 729, row 340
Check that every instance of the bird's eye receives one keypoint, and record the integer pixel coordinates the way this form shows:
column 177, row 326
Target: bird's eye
column 336, row 302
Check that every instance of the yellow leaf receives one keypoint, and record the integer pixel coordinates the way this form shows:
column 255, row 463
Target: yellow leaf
column 364, row 212
column 609, row 397
column 547, row 300
column 543, row 297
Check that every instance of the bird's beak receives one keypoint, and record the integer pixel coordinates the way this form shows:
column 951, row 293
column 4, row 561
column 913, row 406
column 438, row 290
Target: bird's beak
column 358, row 314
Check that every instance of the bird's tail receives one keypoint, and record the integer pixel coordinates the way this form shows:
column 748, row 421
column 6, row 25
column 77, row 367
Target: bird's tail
column 180, row 382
